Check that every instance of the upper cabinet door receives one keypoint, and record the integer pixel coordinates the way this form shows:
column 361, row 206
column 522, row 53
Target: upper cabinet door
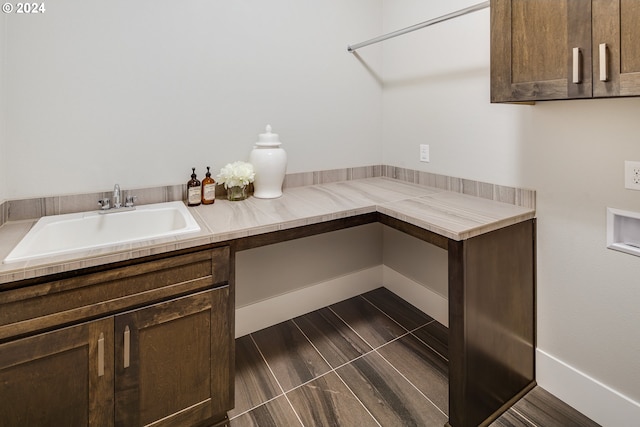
column 616, row 47
column 540, row 50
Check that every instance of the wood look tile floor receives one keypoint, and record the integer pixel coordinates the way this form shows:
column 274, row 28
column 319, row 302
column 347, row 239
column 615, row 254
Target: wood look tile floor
column 372, row 360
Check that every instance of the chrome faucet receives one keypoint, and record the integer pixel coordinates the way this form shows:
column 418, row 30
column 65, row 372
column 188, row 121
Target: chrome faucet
column 106, row 206
column 116, row 197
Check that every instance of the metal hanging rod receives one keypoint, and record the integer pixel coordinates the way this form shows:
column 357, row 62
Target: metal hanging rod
column 470, row 9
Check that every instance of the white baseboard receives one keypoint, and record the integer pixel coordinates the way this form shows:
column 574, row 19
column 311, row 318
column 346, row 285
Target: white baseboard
column 597, row 401
column 430, row 302
column 260, row 315
column 283, row 307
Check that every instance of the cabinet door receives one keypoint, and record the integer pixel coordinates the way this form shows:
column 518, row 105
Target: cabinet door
column 616, row 65
column 532, row 50
column 59, row 378
column 173, row 361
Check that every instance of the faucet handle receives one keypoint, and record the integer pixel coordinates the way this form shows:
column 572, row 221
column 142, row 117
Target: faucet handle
column 129, row 200
column 105, row 203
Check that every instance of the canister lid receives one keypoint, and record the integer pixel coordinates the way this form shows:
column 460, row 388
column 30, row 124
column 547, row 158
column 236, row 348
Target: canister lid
column 268, row 139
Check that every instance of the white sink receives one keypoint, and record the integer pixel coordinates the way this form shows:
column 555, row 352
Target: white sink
column 69, row 233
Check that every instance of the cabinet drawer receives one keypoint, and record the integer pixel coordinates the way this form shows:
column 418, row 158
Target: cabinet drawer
column 27, row 310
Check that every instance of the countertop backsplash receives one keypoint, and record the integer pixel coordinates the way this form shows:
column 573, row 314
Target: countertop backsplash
column 16, row 210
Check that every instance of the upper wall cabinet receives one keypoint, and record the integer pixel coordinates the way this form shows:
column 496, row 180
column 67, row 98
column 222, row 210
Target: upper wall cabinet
column 564, row 49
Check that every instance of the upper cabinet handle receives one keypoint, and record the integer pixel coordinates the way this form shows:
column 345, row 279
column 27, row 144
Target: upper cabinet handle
column 101, row 355
column 604, row 69
column 577, row 65
column 127, row 346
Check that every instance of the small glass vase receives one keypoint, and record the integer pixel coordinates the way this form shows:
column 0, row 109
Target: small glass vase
column 236, row 193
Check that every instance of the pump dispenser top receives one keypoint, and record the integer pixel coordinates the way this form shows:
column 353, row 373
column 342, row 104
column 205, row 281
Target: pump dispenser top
column 193, row 190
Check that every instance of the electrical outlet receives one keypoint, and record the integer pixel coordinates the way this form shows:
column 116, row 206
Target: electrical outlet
column 424, row 153
column 632, row 175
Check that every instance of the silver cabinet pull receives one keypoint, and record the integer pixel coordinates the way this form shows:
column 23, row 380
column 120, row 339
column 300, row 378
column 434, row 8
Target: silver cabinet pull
column 577, row 65
column 127, row 346
column 101, row 355
column 604, row 69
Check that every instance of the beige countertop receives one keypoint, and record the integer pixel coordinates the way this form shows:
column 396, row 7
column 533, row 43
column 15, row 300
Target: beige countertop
column 453, row 215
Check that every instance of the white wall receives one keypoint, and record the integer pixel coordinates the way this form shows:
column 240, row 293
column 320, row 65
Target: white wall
column 417, row 260
column 436, row 91
column 281, row 281
column 138, row 92
column 274, row 270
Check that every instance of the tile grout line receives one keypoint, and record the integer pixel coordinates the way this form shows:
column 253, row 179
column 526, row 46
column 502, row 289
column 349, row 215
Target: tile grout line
column 306, row 382
column 522, row 416
column 333, row 370
column 255, row 407
column 357, row 398
column 354, row 331
column 389, row 316
column 374, row 350
column 446, row 359
column 277, row 381
column 412, row 385
column 409, row 331
column 272, row 374
column 381, row 311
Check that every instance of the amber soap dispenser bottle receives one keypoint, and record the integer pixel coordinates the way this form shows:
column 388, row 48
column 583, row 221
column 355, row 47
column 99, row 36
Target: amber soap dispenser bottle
column 208, row 189
column 193, row 190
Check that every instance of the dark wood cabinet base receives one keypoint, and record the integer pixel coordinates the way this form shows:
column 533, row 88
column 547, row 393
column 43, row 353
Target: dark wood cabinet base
column 491, row 327
column 491, row 322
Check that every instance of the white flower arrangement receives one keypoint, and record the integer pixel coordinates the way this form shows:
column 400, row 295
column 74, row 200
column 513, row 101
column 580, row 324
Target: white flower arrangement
column 236, row 174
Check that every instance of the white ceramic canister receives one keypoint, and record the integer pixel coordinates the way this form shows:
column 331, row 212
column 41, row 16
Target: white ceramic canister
column 269, row 162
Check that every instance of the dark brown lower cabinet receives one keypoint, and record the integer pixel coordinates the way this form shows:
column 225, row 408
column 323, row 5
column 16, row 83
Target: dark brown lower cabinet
column 168, row 364
column 150, row 343
column 59, row 378
column 172, row 362
column 492, row 334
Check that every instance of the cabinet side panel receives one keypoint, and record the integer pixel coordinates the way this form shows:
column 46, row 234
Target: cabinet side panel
column 493, row 319
column 221, row 268
column 500, row 50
